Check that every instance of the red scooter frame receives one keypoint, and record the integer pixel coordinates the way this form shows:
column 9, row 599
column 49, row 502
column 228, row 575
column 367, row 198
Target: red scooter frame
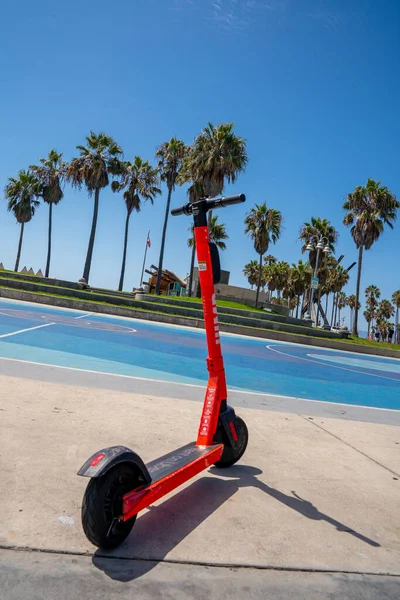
column 121, row 485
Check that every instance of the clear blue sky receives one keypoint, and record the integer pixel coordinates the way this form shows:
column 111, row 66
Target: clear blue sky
column 313, row 86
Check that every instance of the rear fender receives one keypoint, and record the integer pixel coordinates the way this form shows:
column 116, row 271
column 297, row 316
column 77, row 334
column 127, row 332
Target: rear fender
column 227, row 423
column 104, row 460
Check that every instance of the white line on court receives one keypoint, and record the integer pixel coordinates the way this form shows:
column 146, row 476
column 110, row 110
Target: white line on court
column 196, row 385
column 324, row 364
column 83, row 316
column 23, row 330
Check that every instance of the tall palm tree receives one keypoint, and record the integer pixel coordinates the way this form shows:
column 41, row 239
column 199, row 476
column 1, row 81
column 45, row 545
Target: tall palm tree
column 264, row 226
column 170, row 157
column 50, row 174
column 99, row 158
column 341, row 303
column 315, row 228
column 369, row 208
column 251, row 272
column 22, row 194
column 300, row 280
column 139, row 180
column 217, row 234
column 279, row 277
column 396, row 302
column 386, row 309
column 217, row 157
column 369, row 315
column 372, row 295
column 354, row 306
column 339, row 278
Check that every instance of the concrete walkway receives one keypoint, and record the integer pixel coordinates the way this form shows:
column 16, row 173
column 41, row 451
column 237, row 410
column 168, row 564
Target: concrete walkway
column 311, row 494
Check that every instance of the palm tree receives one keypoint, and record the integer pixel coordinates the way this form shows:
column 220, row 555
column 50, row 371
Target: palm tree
column 396, row 302
column 341, row 302
column 369, row 316
column 315, row 228
column 263, row 225
column 318, row 227
column 385, row 309
column 372, row 295
column 251, row 272
column 217, row 234
column 217, row 157
column 279, row 277
column 270, row 260
column 354, row 306
column 369, row 208
column 99, row 158
column 139, row 180
column 22, row 193
column 50, row 174
column 300, row 280
column 170, row 157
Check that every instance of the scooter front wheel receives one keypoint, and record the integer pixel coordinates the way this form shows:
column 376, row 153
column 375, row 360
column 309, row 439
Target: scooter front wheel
column 231, row 455
column 102, row 507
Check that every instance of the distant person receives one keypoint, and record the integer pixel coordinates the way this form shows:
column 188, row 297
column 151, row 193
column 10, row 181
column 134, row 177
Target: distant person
column 377, row 336
column 390, row 335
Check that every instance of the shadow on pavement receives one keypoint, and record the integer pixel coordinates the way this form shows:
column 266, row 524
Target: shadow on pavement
column 163, row 527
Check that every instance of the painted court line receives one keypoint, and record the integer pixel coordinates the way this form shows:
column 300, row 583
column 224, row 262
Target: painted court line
column 4, row 335
column 326, row 364
column 83, row 316
column 196, row 385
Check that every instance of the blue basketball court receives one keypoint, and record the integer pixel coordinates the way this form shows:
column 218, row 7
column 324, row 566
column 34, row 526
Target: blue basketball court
column 138, row 349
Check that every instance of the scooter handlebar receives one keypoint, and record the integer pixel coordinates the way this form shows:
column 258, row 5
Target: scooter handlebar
column 211, row 203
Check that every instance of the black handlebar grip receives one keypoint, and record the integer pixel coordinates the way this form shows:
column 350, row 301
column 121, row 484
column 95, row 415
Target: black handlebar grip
column 238, row 199
column 175, row 212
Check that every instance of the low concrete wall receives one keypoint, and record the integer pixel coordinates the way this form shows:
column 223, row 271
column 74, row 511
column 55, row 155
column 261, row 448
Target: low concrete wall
column 265, row 316
column 198, row 323
column 233, row 292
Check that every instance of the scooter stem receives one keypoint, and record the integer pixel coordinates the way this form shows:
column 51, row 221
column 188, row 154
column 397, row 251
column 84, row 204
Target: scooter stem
column 216, row 393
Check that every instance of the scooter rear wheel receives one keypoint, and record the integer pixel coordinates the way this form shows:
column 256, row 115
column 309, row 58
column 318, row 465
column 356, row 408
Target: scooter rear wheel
column 231, row 455
column 102, row 507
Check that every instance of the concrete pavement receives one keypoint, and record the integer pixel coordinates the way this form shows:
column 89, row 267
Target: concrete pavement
column 310, row 494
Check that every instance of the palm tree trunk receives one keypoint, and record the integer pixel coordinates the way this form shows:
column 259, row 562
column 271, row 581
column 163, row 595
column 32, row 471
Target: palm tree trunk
column 336, row 308
column 369, row 329
column 121, row 279
column 259, row 280
column 297, row 306
column 164, row 233
column 326, row 306
column 396, row 333
column 192, row 267
column 88, row 262
column 46, row 273
column 21, row 235
column 355, row 320
column 333, row 308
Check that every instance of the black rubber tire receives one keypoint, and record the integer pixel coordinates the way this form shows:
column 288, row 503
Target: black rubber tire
column 102, row 502
column 230, row 455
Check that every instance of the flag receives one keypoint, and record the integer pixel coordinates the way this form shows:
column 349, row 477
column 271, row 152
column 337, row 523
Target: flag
column 148, row 241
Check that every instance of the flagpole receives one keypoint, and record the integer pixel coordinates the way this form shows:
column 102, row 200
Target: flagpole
column 144, row 259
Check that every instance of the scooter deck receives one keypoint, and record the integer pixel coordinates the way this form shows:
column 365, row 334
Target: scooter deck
column 168, row 472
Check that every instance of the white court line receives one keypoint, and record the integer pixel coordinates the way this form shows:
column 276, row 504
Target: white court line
column 196, row 385
column 83, row 316
column 330, row 365
column 23, row 330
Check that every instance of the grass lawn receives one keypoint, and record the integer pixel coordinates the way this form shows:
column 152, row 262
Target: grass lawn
column 363, row 342
column 226, row 303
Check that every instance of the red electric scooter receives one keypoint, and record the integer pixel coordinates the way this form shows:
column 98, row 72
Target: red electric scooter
column 121, row 484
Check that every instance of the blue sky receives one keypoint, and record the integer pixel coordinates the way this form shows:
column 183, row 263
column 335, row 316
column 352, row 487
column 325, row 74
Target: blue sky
column 313, row 86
